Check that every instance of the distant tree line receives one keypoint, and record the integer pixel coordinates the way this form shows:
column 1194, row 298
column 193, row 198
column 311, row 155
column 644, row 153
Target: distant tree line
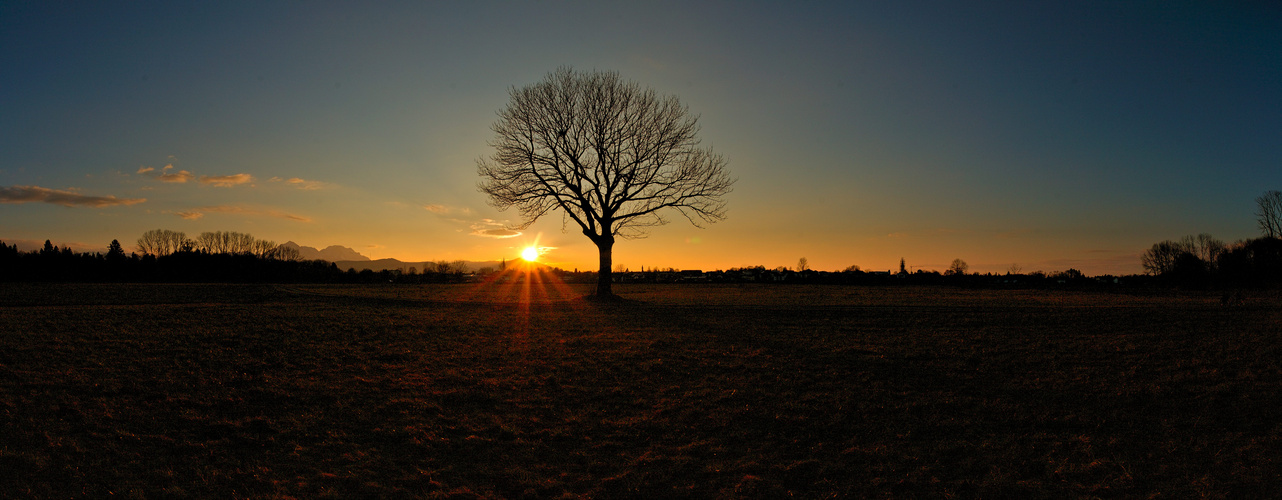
column 1204, row 261
column 853, row 275
column 162, row 242
column 221, row 256
column 226, row 257
column 52, row 263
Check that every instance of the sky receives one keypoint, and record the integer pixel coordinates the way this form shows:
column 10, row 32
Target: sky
column 1029, row 135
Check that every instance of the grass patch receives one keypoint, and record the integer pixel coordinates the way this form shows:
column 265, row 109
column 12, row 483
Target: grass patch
column 701, row 390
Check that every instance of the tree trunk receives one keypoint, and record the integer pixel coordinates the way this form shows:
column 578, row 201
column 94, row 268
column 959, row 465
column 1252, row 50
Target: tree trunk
column 604, row 274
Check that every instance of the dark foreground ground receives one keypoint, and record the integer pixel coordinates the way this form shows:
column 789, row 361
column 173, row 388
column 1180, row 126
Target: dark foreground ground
column 169, row 391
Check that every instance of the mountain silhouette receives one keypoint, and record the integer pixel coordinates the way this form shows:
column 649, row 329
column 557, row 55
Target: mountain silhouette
column 393, row 264
column 332, row 253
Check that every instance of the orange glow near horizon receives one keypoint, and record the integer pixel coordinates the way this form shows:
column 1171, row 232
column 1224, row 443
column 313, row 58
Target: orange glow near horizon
column 530, row 254
column 524, row 283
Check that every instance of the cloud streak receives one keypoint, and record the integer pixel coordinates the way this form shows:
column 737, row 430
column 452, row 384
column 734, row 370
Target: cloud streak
column 176, row 177
column 37, row 194
column 446, row 210
column 199, row 212
column 226, row 180
column 300, row 183
column 488, row 228
column 164, row 174
column 491, row 228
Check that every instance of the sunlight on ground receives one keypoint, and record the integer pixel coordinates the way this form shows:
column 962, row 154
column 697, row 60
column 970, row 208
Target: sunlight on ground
column 522, row 283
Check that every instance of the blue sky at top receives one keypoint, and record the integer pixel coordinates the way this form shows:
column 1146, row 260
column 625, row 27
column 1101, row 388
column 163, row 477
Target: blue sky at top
column 1049, row 135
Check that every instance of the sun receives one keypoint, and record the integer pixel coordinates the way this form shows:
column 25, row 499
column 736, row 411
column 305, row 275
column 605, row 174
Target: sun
column 530, row 254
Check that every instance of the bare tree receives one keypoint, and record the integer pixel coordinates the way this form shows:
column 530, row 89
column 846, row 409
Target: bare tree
column 803, row 264
column 283, row 252
column 263, row 249
column 446, row 267
column 210, row 241
column 241, row 243
column 606, row 153
column 1161, row 257
column 160, row 242
column 958, row 268
column 149, row 242
column 1206, row 248
column 225, row 242
column 1202, row 250
column 1269, row 213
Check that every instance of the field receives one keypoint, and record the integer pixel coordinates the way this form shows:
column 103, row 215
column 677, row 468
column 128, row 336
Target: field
column 514, row 390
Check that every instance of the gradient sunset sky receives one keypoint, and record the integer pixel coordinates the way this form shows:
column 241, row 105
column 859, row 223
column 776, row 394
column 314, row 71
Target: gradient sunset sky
column 1044, row 134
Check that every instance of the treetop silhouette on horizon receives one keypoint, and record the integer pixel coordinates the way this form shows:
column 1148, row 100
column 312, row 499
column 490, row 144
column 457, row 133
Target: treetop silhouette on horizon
column 610, row 155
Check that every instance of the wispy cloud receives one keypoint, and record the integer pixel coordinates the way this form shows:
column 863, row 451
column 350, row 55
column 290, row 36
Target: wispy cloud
column 164, row 174
column 488, row 228
column 28, row 194
column 447, row 210
column 226, row 180
column 176, row 177
column 493, row 229
column 305, row 185
column 199, row 212
column 300, row 183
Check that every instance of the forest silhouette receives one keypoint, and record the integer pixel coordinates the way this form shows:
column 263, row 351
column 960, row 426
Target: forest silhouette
column 62, row 264
column 1253, row 263
column 1197, row 262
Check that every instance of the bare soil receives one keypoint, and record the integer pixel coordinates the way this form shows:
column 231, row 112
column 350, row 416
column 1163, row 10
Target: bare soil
column 526, row 390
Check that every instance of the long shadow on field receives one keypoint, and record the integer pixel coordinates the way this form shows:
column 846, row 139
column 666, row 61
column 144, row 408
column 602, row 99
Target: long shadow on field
column 362, row 392
column 949, row 400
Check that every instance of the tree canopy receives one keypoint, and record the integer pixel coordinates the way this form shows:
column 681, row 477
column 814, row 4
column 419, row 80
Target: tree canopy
column 606, row 153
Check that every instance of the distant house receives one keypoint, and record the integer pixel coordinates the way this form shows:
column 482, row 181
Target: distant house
column 693, row 275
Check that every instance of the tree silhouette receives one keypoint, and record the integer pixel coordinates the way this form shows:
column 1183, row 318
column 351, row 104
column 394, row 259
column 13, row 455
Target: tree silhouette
column 958, row 268
column 1269, row 213
column 1256, row 262
column 605, row 152
column 1173, row 258
column 1206, row 248
column 161, row 242
column 282, row 252
column 1160, row 259
column 115, row 251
